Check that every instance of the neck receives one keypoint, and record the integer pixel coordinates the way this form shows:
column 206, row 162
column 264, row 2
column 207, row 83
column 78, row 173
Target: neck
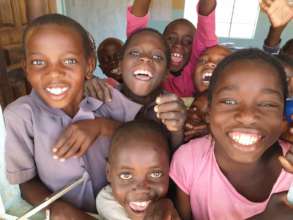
column 143, row 100
column 229, row 166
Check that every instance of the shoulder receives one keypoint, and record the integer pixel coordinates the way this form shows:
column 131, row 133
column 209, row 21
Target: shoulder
column 22, row 106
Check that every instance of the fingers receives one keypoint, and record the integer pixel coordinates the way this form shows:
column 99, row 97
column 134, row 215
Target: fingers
column 286, row 164
column 171, row 111
column 106, row 91
column 99, row 89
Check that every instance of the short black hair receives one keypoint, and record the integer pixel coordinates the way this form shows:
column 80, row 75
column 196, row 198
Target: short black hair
column 285, row 59
column 137, row 129
column 129, row 39
column 251, row 54
column 62, row 20
column 287, row 46
column 105, row 41
column 179, row 20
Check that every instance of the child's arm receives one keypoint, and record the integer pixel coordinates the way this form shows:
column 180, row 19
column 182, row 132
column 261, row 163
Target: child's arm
column 34, row 192
column 279, row 11
column 182, row 204
column 172, row 112
column 98, row 88
column 273, row 39
column 137, row 16
column 204, row 37
column 79, row 136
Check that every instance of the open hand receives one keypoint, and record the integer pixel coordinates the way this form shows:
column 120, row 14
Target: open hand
column 98, row 88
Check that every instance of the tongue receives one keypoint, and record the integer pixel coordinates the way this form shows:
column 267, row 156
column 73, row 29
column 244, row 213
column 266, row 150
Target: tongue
column 142, row 77
column 136, row 207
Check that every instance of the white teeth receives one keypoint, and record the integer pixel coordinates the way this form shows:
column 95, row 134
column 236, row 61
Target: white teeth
column 143, row 73
column 206, row 77
column 244, row 139
column 57, row 90
column 139, row 206
column 177, row 55
column 114, row 71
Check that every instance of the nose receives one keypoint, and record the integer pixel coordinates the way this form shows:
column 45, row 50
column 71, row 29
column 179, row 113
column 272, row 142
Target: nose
column 211, row 65
column 246, row 115
column 145, row 58
column 56, row 70
column 142, row 185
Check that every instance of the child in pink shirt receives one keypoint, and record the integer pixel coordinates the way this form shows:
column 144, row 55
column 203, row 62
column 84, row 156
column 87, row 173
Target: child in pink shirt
column 235, row 173
column 185, row 48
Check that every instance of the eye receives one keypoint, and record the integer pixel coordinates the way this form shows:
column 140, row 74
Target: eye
column 38, row 62
column 171, row 39
column 156, row 174
column 268, row 105
column 134, row 53
column 229, row 102
column 70, row 61
column 187, row 41
column 125, row 176
column 157, row 57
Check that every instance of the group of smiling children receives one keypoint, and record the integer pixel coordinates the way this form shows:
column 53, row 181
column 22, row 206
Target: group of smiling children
column 128, row 145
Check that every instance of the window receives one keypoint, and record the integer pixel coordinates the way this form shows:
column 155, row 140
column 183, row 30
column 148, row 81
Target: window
column 234, row 18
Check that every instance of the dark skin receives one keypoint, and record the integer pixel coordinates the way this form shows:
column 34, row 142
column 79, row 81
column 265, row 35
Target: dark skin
column 262, row 166
column 179, row 35
column 108, row 52
column 56, row 73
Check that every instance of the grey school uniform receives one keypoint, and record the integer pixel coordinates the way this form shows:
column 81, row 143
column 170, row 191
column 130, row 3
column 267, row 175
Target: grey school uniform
column 32, row 130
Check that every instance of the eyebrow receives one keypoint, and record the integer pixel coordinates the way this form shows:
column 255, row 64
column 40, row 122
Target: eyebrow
column 265, row 90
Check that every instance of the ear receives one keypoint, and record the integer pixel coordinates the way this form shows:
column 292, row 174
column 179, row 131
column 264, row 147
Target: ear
column 108, row 171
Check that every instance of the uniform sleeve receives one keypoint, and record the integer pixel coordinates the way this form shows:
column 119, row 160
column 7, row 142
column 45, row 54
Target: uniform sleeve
column 19, row 150
column 134, row 23
column 181, row 168
column 204, row 37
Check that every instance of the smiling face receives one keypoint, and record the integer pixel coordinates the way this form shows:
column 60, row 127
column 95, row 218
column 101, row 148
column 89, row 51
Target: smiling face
column 179, row 36
column 138, row 172
column 108, row 52
column 206, row 64
column 144, row 63
column 246, row 110
column 55, row 65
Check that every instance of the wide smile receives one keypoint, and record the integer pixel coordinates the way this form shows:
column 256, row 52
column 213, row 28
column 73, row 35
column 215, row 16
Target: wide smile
column 57, row 92
column 143, row 75
column 139, row 206
column 206, row 76
column 244, row 140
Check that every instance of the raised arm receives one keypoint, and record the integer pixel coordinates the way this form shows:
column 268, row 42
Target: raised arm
column 273, row 39
column 204, row 37
column 137, row 16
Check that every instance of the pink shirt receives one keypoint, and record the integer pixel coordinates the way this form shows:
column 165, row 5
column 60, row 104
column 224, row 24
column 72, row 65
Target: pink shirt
column 195, row 171
column 204, row 37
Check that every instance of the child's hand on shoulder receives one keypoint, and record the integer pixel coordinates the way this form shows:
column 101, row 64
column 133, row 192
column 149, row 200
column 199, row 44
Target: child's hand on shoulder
column 171, row 111
column 277, row 208
column 162, row 209
column 98, row 88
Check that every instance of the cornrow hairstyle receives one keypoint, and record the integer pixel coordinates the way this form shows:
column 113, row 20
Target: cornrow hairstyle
column 151, row 30
column 62, row 20
column 251, row 54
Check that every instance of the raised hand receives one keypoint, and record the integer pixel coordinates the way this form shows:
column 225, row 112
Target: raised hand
column 98, row 88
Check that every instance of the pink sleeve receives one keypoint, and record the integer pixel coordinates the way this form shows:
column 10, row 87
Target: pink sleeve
column 204, row 37
column 181, row 168
column 134, row 23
